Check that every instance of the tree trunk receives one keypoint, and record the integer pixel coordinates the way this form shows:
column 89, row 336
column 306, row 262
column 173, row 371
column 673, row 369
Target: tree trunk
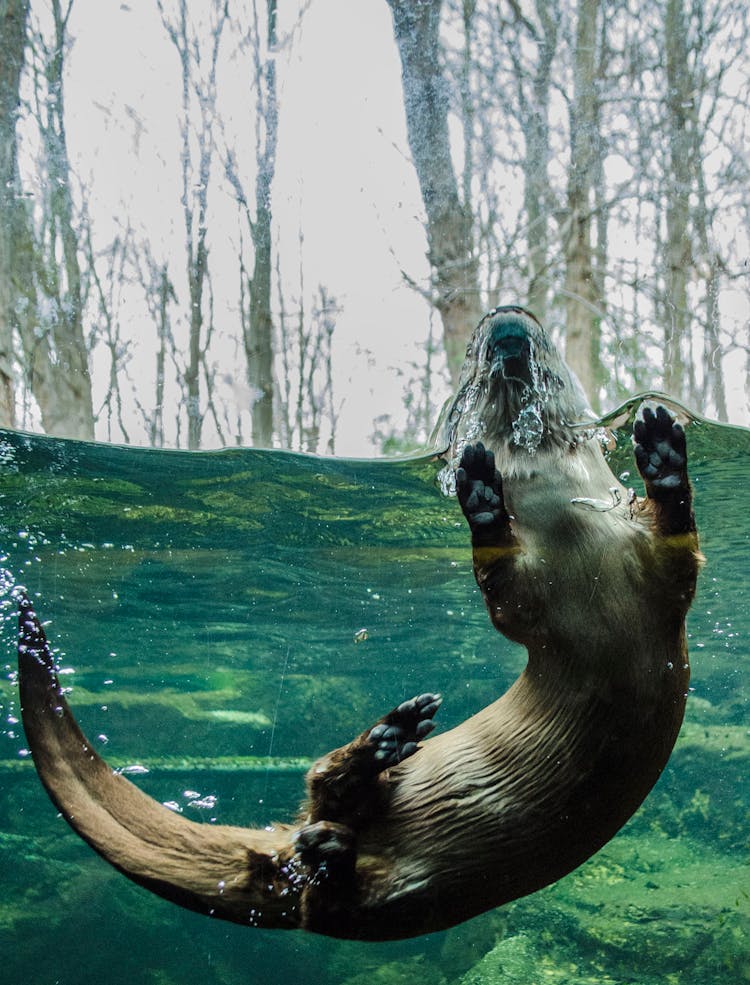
column 678, row 251
column 258, row 330
column 449, row 221
column 535, row 166
column 13, row 16
column 165, row 295
column 47, row 269
column 197, row 123
column 581, row 313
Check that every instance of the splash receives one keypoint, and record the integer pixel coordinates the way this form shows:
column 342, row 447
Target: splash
column 528, row 428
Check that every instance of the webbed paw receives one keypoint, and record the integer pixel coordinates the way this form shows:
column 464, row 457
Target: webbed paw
column 660, row 450
column 323, row 841
column 329, row 850
column 661, row 456
column 479, row 487
column 397, row 736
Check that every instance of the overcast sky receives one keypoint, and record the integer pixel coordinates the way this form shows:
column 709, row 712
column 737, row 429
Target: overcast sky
column 343, row 177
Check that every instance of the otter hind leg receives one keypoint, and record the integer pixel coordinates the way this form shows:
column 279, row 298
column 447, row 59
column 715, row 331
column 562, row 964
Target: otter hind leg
column 479, row 487
column 346, row 786
column 329, row 853
column 661, row 456
column 347, row 789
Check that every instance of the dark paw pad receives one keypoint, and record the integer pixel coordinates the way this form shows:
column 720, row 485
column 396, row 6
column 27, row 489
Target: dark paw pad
column 660, row 449
column 323, row 843
column 480, row 488
column 397, row 737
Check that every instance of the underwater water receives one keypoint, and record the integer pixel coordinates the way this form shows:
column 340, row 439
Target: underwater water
column 224, row 618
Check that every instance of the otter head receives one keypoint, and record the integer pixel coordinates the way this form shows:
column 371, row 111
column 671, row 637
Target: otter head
column 516, row 394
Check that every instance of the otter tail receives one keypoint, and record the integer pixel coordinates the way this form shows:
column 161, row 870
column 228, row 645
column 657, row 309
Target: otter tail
column 234, row 873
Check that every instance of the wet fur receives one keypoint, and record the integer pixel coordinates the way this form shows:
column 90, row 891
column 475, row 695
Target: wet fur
column 401, row 836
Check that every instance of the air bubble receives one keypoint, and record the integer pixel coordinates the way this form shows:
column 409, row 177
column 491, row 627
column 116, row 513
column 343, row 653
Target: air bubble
column 204, row 803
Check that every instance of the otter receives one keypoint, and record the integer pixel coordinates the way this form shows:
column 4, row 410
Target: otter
column 402, row 834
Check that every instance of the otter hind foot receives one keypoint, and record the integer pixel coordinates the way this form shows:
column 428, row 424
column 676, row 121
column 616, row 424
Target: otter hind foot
column 479, row 487
column 397, row 736
column 326, row 846
column 329, row 852
column 661, row 456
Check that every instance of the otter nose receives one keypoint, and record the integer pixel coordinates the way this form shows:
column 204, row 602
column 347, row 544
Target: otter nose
column 510, row 349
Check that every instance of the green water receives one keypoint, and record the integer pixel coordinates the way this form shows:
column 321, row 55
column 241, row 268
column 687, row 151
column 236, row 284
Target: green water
column 208, row 607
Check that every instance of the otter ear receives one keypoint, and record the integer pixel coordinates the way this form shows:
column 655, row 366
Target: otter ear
column 206, row 868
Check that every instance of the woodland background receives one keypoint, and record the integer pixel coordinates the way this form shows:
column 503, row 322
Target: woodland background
column 221, row 223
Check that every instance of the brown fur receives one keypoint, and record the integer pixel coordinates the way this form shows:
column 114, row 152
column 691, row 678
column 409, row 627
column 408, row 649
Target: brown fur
column 516, row 796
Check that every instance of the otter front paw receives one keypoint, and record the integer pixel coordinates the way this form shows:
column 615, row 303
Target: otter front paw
column 397, row 736
column 479, row 487
column 661, row 456
column 660, row 450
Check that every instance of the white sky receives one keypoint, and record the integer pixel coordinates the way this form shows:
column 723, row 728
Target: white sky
column 343, row 175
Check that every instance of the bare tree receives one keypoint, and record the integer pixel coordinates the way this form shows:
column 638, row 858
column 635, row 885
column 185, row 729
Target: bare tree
column 455, row 291
column 255, row 286
column 107, row 288
column 532, row 81
column 582, row 313
column 198, row 121
column 51, row 284
column 13, row 18
column 679, row 97
column 158, row 292
column 306, row 391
